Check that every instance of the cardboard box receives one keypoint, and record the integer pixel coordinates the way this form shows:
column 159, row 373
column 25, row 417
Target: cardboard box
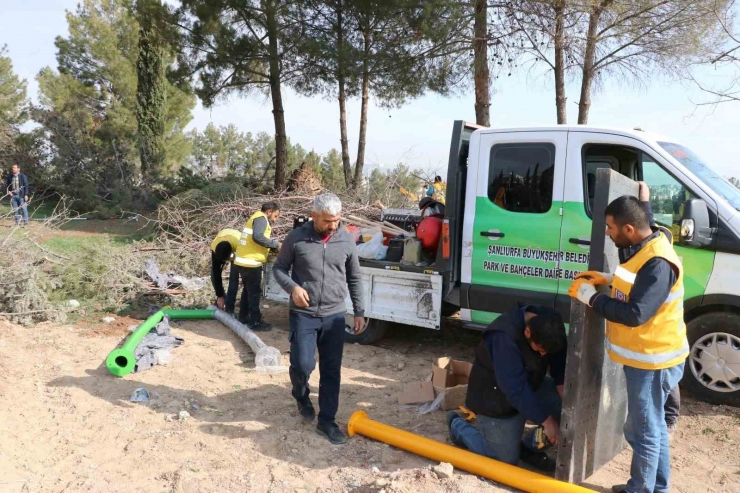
column 417, row 393
column 449, row 376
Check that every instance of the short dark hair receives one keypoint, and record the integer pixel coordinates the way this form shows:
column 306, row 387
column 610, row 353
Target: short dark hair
column 223, row 251
column 437, row 178
column 270, row 206
column 628, row 210
column 547, row 330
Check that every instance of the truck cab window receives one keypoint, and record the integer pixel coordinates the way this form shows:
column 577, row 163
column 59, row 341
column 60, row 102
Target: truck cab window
column 520, row 177
column 667, row 195
column 621, row 159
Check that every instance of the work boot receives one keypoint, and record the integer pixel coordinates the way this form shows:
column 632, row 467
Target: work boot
column 451, row 417
column 305, row 409
column 538, row 460
column 261, row 327
column 332, row 432
column 619, row 488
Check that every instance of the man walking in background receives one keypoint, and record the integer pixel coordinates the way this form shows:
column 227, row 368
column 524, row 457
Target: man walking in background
column 324, row 262
column 251, row 254
column 17, row 185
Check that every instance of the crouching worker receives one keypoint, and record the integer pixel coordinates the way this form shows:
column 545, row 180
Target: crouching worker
column 222, row 249
column 508, row 386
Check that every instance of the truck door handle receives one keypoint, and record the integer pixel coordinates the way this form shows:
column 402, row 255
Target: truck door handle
column 490, row 234
column 578, row 241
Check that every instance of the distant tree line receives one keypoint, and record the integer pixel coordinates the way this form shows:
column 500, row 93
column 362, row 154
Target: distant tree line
column 111, row 116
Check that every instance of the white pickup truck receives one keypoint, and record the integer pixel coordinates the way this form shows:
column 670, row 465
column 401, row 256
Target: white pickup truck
column 517, row 228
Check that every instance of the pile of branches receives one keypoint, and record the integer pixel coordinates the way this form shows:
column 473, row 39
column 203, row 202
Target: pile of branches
column 191, row 220
column 39, row 282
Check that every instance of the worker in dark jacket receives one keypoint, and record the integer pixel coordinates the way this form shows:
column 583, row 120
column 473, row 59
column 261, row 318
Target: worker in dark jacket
column 645, row 333
column 508, row 386
column 17, row 185
column 316, row 266
column 249, row 258
column 223, row 247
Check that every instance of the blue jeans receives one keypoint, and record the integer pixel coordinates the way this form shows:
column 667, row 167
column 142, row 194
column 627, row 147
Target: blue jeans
column 501, row 438
column 306, row 334
column 646, row 430
column 19, row 204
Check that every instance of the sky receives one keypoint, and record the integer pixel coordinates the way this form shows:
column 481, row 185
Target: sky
column 418, row 133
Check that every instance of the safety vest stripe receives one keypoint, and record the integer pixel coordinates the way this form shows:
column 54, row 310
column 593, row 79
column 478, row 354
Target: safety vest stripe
column 625, row 275
column 653, row 359
column 247, row 261
column 673, row 296
column 247, row 230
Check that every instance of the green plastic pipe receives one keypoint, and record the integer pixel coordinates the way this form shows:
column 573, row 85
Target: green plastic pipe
column 121, row 361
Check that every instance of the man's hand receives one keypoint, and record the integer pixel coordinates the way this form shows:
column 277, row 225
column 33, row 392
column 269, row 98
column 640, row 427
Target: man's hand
column 582, row 290
column 300, row 297
column 644, row 194
column 220, row 302
column 280, row 245
column 596, row 278
column 552, row 430
column 25, row 199
column 359, row 325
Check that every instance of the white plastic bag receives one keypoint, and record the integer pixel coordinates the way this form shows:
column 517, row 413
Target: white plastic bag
column 370, row 249
column 382, row 253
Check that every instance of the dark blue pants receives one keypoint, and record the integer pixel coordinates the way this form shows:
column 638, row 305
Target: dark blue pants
column 327, row 334
column 230, row 299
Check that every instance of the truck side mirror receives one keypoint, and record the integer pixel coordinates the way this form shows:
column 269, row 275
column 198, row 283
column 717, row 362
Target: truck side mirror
column 695, row 228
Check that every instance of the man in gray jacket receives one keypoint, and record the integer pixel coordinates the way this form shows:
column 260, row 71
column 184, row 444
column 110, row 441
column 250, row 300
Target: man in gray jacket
column 325, row 262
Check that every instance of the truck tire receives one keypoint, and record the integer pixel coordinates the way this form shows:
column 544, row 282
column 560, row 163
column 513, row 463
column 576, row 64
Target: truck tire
column 712, row 371
column 374, row 331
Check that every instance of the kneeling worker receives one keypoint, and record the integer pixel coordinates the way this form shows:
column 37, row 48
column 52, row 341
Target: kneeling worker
column 222, row 249
column 508, row 385
column 251, row 254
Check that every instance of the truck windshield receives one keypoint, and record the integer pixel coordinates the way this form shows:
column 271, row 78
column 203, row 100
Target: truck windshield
column 706, row 174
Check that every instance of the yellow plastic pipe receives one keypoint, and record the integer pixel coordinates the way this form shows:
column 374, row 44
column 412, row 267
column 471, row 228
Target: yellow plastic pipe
column 476, row 464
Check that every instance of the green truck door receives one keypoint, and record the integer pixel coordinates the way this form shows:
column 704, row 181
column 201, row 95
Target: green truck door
column 518, row 213
column 590, row 151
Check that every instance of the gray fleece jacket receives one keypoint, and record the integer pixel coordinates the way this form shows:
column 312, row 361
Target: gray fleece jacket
column 324, row 270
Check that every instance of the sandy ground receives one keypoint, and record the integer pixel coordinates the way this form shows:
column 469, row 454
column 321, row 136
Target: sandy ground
column 68, row 426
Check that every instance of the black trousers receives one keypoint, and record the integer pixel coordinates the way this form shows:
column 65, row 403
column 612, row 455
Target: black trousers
column 249, row 306
column 672, row 406
column 327, row 334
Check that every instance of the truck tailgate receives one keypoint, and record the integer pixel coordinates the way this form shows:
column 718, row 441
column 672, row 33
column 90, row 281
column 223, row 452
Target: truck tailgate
column 404, row 297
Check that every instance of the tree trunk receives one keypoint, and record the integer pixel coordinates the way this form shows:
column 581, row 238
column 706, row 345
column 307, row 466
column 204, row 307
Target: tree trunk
column 480, row 64
column 346, row 165
column 363, row 111
column 588, row 64
column 560, row 98
column 281, row 139
column 150, row 97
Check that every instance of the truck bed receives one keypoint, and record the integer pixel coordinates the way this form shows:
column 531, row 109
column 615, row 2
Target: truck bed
column 411, row 298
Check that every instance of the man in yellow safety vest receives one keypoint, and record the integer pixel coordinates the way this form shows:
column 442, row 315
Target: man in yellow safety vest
column 645, row 333
column 223, row 247
column 251, row 254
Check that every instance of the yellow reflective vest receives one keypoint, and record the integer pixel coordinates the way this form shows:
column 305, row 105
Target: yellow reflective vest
column 440, row 190
column 231, row 236
column 661, row 341
column 248, row 252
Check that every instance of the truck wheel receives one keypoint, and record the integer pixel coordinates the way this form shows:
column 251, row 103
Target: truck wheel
column 374, row 331
column 712, row 370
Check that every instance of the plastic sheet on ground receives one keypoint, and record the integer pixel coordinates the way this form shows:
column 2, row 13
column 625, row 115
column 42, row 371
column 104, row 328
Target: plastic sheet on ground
column 169, row 279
